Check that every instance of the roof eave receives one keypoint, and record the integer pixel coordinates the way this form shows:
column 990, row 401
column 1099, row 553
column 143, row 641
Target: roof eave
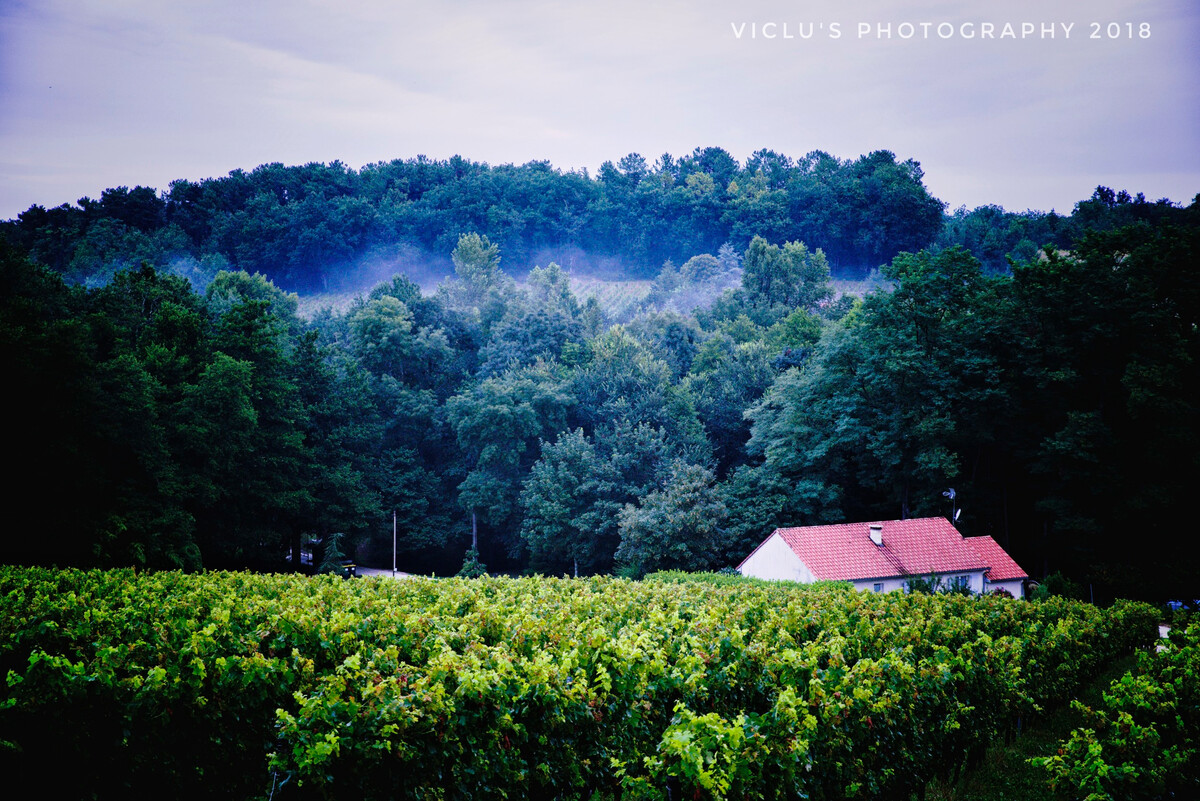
column 906, row 575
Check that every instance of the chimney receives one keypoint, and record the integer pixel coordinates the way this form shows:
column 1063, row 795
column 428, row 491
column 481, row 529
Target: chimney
column 877, row 533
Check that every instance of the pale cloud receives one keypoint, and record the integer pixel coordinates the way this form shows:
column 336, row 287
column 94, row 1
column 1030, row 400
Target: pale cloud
column 94, row 95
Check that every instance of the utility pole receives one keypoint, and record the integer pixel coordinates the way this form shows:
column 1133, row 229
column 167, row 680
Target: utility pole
column 393, row 543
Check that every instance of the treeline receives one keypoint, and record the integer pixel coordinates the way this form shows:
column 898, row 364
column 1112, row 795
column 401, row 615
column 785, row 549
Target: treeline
column 325, row 226
column 304, row 227
column 221, row 430
column 994, row 235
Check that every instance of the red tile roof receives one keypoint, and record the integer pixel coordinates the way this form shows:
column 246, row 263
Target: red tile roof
column 1003, row 568
column 910, row 548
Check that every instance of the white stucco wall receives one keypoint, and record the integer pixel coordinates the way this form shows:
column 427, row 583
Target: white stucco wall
column 775, row 560
column 974, row 582
column 889, row 584
column 1016, row 587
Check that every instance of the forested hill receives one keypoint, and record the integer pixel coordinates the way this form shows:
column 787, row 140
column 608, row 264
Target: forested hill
column 320, row 227
column 203, row 423
column 315, row 226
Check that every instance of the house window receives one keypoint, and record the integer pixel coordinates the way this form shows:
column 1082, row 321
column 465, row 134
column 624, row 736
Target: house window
column 878, row 586
column 960, row 582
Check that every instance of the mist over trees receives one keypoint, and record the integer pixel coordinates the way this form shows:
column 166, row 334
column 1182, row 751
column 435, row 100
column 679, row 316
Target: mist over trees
column 328, row 227
column 181, row 414
column 304, row 227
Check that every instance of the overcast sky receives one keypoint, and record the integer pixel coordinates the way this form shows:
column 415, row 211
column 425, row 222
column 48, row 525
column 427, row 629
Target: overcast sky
column 125, row 92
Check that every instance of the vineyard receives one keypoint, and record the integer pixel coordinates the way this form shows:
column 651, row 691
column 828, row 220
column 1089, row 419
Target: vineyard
column 254, row 686
column 1143, row 739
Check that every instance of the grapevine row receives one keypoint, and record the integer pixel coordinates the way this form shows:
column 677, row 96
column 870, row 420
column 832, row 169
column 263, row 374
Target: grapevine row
column 244, row 686
column 1143, row 740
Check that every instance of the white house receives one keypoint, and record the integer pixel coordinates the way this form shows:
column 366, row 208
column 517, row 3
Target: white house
column 1003, row 573
column 883, row 555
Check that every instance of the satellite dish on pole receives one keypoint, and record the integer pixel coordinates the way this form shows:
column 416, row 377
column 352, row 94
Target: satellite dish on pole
column 954, row 510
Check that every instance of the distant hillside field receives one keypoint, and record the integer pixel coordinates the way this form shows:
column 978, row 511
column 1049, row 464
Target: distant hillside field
column 617, row 298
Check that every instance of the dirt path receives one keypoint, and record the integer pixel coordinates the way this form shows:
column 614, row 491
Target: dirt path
column 374, row 571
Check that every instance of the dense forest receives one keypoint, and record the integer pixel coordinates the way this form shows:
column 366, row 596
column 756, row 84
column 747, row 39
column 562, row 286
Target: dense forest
column 180, row 412
column 303, row 227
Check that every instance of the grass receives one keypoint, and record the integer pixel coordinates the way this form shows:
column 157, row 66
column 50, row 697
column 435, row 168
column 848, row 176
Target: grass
column 1005, row 773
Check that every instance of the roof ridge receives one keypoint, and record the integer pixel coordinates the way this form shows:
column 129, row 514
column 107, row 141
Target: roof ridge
column 911, row 547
